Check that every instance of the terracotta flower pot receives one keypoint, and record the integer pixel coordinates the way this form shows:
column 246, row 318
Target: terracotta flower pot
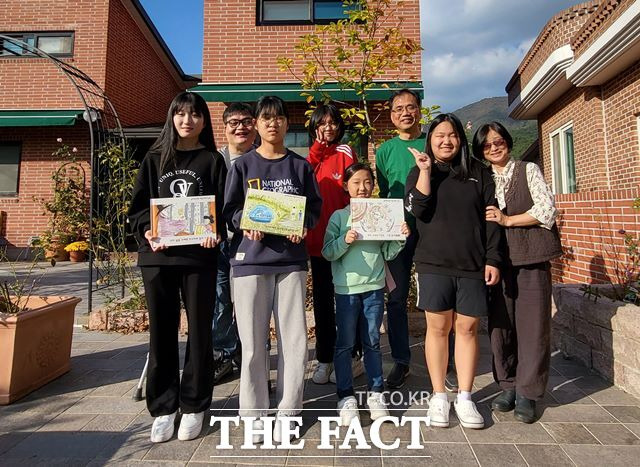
column 77, row 256
column 35, row 345
column 57, row 252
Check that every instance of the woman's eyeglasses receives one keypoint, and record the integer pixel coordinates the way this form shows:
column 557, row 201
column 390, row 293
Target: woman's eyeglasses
column 279, row 120
column 499, row 143
column 233, row 123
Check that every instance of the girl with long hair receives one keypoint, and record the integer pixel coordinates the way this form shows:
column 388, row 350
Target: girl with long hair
column 182, row 162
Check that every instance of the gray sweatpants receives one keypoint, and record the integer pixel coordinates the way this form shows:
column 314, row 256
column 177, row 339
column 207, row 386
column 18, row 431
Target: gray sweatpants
column 255, row 297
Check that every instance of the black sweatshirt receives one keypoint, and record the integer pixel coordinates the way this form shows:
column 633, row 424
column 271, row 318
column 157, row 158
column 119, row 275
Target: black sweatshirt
column 290, row 174
column 196, row 173
column 455, row 239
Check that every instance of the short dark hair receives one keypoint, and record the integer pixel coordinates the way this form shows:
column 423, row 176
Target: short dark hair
column 480, row 137
column 237, row 108
column 402, row 91
column 271, row 106
column 461, row 163
column 319, row 114
column 353, row 168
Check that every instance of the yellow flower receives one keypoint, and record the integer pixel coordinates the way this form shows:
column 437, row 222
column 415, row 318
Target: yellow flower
column 77, row 246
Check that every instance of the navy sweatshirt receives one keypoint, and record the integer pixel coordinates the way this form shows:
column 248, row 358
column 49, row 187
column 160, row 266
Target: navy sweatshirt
column 290, row 174
column 455, row 239
column 198, row 172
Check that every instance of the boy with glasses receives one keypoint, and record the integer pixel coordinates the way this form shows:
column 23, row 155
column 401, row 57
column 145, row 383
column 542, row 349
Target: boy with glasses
column 240, row 133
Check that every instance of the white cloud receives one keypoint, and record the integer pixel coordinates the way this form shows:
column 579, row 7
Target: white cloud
column 473, row 47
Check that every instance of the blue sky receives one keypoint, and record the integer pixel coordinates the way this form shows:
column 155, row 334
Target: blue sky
column 471, row 47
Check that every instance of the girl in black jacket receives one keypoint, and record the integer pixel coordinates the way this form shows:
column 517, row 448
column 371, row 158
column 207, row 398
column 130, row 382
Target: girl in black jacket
column 456, row 258
column 182, row 162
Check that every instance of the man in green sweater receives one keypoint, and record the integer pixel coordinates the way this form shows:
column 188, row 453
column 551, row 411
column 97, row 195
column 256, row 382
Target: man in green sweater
column 393, row 163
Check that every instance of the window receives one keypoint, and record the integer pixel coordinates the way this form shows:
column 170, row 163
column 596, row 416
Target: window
column 299, row 11
column 59, row 44
column 297, row 139
column 9, row 168
column 563, row 166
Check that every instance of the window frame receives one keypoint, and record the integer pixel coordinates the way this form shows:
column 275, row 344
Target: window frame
column 36, row 35
column 561, row 132
column 17, row 144
column 312, row 20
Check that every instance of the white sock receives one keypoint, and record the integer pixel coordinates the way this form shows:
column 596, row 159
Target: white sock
column 464, row 396
column 441, row 395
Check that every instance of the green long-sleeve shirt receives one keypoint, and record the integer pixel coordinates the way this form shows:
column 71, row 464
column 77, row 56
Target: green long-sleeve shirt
column 393, row 163
column 357, row 267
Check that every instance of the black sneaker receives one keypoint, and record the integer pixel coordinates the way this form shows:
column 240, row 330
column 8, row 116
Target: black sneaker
column 451, row 381
column 222, row 369
column 525, row 410
column 397, row 376
column 505, row 402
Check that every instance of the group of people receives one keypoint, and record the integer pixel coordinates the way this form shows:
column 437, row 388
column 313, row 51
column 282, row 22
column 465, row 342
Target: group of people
column 479, row 228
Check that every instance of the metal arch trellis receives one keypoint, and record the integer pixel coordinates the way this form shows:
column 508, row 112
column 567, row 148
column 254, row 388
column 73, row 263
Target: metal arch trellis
column 105, row 131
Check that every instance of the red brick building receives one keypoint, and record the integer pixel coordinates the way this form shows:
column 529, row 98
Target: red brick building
column 581, row 81
column 242, row 40
column 112, row 41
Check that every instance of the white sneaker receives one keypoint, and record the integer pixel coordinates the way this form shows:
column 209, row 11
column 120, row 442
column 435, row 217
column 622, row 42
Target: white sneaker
column 468, row 414
column 322, row 373
column 190, row 426
column 357, row 368
column 438, row 412
column 257, row 425
column 377, row 405
column 278, row 435
column 348, row 410
column 162, row 428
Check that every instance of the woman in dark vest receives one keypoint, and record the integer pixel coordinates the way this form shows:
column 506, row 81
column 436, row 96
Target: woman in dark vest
column 520, row 309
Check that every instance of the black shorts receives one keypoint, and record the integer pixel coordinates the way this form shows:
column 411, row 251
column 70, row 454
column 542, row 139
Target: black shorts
column 466, row 296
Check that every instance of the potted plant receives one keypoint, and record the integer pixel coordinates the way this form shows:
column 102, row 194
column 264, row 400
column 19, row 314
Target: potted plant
column 68, row 208
column 35, row 334
column 77, row 251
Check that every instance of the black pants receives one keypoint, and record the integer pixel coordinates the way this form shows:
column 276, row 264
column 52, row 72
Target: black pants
column 520, row 329
column 324, row 311
column 164, row 286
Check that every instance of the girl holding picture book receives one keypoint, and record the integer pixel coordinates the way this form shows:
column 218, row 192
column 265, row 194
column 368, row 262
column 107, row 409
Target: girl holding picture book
column 269, row 271
column 182, row 162
column 359, row 280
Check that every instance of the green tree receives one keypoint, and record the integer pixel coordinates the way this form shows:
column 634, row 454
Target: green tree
column 354, row 52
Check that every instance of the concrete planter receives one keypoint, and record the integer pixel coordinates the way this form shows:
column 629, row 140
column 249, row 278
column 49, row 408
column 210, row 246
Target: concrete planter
column 35, row 345
column 605, row 335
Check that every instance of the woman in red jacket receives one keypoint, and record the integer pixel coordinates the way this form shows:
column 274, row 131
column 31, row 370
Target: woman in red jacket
column 328, row 158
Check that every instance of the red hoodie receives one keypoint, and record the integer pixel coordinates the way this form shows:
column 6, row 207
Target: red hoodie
column 328, row 164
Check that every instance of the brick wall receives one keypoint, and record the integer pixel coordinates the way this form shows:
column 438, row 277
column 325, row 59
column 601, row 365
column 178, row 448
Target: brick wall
column 621, row 97
column 236, row 50
column 589, row 225
column 24, row 217
column 139, row 85
column 36, row 83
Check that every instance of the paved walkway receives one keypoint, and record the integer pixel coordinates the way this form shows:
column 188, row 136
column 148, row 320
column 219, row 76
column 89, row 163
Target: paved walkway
column 88, row 417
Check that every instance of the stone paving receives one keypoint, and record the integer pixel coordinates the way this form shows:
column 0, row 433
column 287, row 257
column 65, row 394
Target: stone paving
column 88, row 417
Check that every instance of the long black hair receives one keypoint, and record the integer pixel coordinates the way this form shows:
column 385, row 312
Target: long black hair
column 166, row 143
column 461, row 163
column 481, row 137
column 318, row 116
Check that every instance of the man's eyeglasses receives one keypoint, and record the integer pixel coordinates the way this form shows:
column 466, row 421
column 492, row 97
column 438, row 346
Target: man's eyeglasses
column 401, row 108
column 233, row 123
column 499, row 143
